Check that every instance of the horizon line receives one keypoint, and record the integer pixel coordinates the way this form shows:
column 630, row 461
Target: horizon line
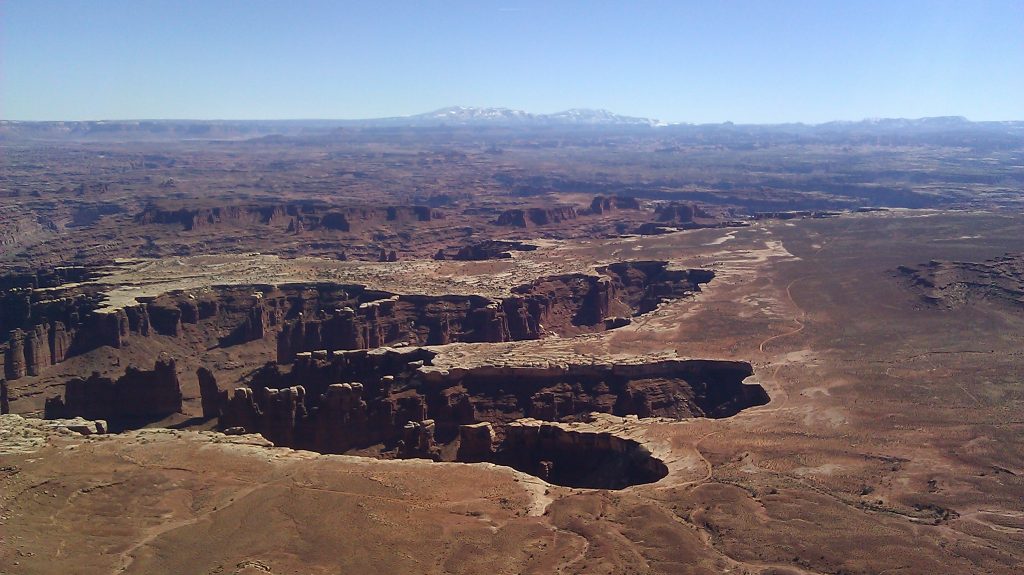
column 659, row 123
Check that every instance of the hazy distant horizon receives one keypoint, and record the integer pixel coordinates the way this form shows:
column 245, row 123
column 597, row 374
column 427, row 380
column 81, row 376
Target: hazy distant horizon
column 531, row 112
column 746, row 62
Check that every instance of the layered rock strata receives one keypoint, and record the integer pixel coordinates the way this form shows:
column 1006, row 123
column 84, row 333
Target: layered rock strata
column 486, row 250
column 567, row 305
column 138, row 394
column 529, row 217
column 297, row 217
column 605, row 204
column 209, row 392
column 394, row 398
column 45, row 327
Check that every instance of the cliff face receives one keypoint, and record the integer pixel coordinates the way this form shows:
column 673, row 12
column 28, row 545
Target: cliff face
column 47, row 328
column 489, row 250
column 45, row 323
column 136, row 394
column 528, row 217
column 44, row 332
column 593, row 460
column 296, row 217
column 31, row 350
column 676, row 212
column 566, row 305
column 332, row 403
column 605, row 204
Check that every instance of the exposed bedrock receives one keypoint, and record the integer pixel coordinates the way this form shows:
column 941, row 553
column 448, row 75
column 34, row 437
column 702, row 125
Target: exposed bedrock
column 576, row 458
column 296, row 217
column 567, row 305
column 46, row 323
column 44, row 278
column 138, row 395
column 529, row 217
column 486, row 250
column 31, row 350
column 604, row 204
column 45, row 327
column 678, row 212
column 396, row 400
column 951, row 285
column 209, row 393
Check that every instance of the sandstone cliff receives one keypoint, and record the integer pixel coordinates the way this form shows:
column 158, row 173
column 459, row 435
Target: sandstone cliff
column 605, row 204
column 336, row 402
column 138, row 394
column 528, row 217
column 296, row 217
column 566, row 305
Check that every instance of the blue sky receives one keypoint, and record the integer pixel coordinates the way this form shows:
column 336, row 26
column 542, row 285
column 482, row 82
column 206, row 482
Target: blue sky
column 708, row 61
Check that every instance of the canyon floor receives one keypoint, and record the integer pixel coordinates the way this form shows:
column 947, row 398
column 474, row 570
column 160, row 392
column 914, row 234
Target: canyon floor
column 893, row 441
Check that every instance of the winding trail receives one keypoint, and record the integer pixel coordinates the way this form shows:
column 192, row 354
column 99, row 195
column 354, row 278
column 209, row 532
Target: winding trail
column 797, row 320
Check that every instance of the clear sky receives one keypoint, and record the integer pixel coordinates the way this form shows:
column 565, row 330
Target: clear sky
column 683, row 61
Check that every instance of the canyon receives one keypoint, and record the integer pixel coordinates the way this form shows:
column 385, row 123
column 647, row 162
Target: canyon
column 393, row 402
column 676, row 349
column 48, row 325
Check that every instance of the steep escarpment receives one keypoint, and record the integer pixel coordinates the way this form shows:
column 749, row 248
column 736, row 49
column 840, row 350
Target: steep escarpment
column 485, row 250
column 538, row 216
column 46, row 326
column 395, row 403
column 605, row 204
column 136, row 395
column 294, row 216
column 576, row 457
column 566, row 304
column 678, row 212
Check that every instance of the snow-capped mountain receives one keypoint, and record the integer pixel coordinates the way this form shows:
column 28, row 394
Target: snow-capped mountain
column 459, row 114
column 603, row 117
column 464, row 115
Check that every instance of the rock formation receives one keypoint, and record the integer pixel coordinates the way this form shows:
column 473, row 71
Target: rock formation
column 137, row 394
column 387, row 388
column 209, row 393
column 395, row 399
column 489, row 250
column 605, row 204
column 677, row 212
column 528, row 217
column 567, row 305
column 418, row 440
column 46, row 330
column 476, row 442
column 14, row 356
column 596, row 460
column 294, row 217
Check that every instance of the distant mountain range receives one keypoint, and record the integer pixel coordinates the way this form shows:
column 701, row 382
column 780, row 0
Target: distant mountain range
column 953, row 129
column 464, row 116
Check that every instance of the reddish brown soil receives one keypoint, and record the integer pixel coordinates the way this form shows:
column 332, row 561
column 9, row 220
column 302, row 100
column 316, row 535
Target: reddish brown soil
column 889, row 344
column 891, row 442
